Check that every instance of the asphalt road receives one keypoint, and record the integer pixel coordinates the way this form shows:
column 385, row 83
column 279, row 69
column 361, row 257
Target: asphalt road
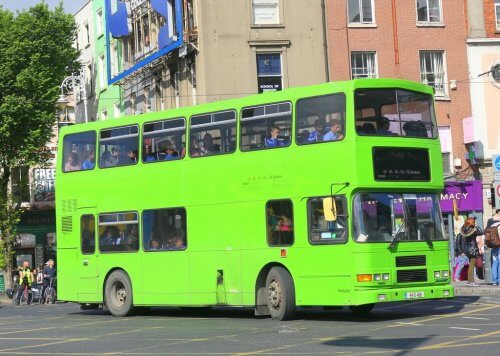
column 462, row 326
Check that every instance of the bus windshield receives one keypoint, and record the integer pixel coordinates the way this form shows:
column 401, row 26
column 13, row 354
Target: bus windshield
column 380, row 217
column 394, row 112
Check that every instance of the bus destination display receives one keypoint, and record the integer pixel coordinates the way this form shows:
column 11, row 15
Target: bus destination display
column 397, row 163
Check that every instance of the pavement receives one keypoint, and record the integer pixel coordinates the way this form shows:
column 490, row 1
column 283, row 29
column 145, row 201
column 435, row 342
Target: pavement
column 482, row 289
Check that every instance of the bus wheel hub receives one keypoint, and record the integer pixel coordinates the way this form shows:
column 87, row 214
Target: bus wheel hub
column 274, row 294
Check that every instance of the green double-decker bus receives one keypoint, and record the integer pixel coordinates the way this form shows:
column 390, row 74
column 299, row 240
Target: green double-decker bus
column 324, row 195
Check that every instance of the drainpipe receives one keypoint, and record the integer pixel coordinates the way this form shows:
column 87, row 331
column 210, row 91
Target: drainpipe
column 325, row 39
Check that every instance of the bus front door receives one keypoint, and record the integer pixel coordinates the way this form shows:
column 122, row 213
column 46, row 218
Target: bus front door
column 89, row 273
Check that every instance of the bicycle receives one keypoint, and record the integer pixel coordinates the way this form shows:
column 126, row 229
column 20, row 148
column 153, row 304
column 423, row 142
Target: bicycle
column 26, row 296
column 49, row 294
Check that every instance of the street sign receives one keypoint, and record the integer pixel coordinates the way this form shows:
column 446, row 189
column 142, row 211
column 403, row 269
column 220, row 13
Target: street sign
column 495, row 160
column 496, row 176
column 496, row 186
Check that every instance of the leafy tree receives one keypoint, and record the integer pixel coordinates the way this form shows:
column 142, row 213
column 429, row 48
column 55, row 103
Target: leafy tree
column 36, row 54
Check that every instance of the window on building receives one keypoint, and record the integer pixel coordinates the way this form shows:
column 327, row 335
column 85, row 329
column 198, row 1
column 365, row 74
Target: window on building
column 445, row 140
column 20, row 184
column 116, row 110
column 164, row 140
column 119, row 232
column 266, row 126
column 429, row 10
column 322, row 231
column 86, row 34
column 432, row 71
column 363, row 65
column 265, row 12
column 164, row 229
column 118, row 146
column 279, row 222
column 212, row 134
column 361, row 11
column 321, row 119
column 269, row 73
column 114, row 59
column 89, row 75
column 99, row 25
column 87, row 234
column 79, row 151
column 497, row 14
column 102, row 72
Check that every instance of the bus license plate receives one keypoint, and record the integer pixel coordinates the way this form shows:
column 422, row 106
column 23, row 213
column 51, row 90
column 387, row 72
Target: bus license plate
column 414, row 295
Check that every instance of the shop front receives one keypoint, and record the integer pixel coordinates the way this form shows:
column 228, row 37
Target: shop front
column 460, row 200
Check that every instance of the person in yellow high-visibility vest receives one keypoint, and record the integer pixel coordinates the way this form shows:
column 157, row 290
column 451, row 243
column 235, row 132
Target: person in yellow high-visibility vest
column 26, row 278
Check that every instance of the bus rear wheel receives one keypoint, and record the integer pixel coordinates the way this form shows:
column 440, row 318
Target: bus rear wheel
column 362, row 309
column 280, row 294
column 118, row 294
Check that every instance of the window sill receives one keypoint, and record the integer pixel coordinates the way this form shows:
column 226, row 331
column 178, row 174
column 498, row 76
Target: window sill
column 430, row 24
column 278, row 25
column 442, row 98
column 362, row 25
column 99, row 36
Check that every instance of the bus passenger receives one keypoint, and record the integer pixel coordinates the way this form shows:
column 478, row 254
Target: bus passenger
column 132, row 156
column 107, row 239
column 155, row 245
column 148, row 155
column 171, row 154
column 89, row 163
column 208, row 145
column 317, row 134
column 273, row 140
column 383, row 127
column 335, row 132
column 115, row 155
column 73, row 163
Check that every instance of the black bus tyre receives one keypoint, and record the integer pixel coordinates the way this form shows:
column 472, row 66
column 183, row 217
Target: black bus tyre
column 280, row 294
column 362, row 309
column 118, row 294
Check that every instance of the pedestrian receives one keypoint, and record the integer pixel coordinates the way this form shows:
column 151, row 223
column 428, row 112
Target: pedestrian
column 495, row 251
column 469, row 246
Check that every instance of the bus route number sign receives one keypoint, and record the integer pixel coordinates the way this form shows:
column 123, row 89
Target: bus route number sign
column 401, row 164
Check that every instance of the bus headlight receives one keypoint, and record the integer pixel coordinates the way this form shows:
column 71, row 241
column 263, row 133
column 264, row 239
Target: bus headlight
column 377, row 277
column 437, row 274
column 385, row 276
column 445, row 274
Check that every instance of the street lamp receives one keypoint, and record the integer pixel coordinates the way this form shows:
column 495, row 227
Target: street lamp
column 77, row 85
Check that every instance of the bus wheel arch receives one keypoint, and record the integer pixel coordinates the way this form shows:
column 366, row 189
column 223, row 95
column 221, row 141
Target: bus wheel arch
column 275, row 292
column 118, row 292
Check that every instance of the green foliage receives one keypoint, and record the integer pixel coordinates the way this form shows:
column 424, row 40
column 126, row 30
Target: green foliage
column 36, row 54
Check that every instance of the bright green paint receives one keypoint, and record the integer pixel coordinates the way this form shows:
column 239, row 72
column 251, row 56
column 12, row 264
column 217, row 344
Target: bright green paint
column 225, row 199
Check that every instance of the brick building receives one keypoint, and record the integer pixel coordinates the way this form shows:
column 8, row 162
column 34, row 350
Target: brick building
column 411, row 40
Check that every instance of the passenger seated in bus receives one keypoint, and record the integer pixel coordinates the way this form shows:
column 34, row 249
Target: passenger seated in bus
column 367, row 129
column 132, row 157
column 154, row 245
column 208, row 145
column 273, row 140
column 415, row 129
column 115, row 156
column 285, row 223
column 302, row 137
column 335, row 132
column 175, row 243
column 72, row 163
column 317, row 134
column 149, row 156
column 107, row 239
column 171, row 154
column 194, row 151
column 383, row 127
column 89, row 163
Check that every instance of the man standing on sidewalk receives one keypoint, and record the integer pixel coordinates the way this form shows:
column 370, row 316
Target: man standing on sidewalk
column 495, row 251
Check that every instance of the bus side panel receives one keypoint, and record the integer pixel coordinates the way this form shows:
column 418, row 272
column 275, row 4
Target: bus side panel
column 67, row 274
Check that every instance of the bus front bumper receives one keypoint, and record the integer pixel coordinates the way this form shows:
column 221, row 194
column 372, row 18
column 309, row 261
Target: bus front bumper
column 368, row 296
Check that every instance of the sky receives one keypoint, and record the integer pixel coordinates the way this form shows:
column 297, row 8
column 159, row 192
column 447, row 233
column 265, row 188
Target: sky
column 70, row 6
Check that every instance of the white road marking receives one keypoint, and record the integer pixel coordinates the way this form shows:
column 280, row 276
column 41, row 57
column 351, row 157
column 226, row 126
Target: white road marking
column 456, row 327
column 470, row 317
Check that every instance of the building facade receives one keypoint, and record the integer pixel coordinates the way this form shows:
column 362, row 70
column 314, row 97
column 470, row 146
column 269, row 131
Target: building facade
column 418, row 40
column 184, row 52
column 483, row 131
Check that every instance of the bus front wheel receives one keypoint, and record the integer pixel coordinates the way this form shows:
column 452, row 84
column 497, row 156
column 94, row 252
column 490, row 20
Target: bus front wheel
column 280, row 294
column 118, row 294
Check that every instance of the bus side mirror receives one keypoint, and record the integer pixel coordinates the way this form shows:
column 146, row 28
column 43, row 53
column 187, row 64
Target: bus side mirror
column 330, row 209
